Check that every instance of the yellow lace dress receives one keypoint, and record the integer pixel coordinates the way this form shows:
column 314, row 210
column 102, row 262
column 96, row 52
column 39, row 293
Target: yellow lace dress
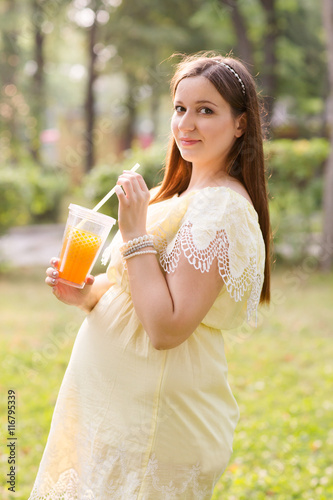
column 135, row 423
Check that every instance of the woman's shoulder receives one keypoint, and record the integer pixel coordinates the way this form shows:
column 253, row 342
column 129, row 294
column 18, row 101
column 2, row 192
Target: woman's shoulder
column 223, row 199
column 240, row 189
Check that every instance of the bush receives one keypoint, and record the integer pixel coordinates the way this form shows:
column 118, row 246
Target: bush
column 15, row 197
column 30, row 194
column 48, row 189
column 296, row 190
column 296, row 163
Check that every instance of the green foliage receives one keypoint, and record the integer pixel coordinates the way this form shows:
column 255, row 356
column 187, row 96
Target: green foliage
column 296, row 189
column 103, row 177
column 48, row 187
column 296, row 163
column 14, row 198
column 30, row 194
column 137, row 37
column 301, row 51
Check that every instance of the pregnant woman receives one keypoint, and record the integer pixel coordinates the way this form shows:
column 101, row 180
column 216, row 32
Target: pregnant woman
column 145, row 411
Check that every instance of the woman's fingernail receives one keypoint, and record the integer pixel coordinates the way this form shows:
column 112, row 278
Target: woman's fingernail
column 54, row 261
column 53, row 281
column 55, row 273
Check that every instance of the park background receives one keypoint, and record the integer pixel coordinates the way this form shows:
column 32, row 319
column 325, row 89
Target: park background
column 84, row 94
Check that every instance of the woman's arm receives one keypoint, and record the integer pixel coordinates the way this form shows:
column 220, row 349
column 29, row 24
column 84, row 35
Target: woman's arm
column 85, row 298
column 170, row 306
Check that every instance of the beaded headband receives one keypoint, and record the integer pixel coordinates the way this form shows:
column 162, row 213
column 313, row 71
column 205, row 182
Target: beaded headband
column 234, row 73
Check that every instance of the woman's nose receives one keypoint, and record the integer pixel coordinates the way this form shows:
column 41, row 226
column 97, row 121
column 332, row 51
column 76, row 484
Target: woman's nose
column 186, row 122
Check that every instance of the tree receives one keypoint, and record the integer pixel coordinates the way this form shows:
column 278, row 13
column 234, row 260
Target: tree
column 244, row 47
column 38, row 80
column 91, row 18
column 327, row 243
column 9, row 61
column 269, row 77
column 146, row 34
column 247, row 49
column 90, row 97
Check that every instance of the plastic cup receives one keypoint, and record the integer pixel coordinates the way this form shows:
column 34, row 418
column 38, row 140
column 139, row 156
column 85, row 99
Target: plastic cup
column 85, row 234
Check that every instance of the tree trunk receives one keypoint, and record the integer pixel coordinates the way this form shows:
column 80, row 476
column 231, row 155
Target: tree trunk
column 155, row 100
column 131, row 106
column 269, row 77
column 244, row 48
column 90, row 100
column 38, row 82
column 155, row 111
column 8, row 78
column 327, row 240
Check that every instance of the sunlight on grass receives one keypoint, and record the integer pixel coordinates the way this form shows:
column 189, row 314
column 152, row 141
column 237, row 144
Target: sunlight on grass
column 281, row 374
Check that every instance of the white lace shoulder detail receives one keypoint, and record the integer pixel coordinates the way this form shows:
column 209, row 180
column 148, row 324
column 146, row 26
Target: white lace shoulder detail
column 219, row 224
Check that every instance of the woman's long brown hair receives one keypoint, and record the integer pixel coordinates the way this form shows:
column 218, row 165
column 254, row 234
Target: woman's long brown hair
column 245, row 161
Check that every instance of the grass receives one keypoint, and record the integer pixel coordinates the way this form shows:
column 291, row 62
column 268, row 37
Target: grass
column 281, row 374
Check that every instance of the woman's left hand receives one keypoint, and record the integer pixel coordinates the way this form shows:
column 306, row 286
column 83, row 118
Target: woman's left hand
column 133, row 204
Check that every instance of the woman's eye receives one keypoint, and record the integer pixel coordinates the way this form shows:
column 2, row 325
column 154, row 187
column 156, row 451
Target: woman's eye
column 205, row 111
column 179, row 109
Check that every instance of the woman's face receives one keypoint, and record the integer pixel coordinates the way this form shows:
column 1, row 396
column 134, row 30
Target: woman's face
column 202, row 124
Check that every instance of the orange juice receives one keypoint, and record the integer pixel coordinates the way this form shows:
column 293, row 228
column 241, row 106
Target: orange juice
column 78, row 252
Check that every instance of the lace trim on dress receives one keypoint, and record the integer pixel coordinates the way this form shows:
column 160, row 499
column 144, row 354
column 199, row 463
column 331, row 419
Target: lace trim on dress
column 66, row 488
column 169, row 491
column 69, row 486
column 202, row 258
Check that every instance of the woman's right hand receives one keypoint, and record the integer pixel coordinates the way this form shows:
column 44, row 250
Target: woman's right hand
column 67, row 294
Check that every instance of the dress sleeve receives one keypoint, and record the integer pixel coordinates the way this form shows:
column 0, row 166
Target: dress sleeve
column 223, row 225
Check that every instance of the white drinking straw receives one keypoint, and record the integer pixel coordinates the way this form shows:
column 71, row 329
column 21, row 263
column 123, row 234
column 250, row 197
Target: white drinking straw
column 110, row 193
column 106, row 197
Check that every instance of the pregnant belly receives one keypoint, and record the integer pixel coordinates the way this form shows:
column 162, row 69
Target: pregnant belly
column 113, row 363
column 134, row 388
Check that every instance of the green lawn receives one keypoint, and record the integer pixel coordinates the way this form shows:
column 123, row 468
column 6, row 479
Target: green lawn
column 281, row 374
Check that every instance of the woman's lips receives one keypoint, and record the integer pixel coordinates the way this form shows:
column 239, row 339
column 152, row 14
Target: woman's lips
column 188, row 142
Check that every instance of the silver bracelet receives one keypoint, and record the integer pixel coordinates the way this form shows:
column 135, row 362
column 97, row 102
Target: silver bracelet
column 136, row 241
column 138, row 247
column 141, row 252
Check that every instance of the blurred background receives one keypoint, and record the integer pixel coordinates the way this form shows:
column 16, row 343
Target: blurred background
column 84, row 94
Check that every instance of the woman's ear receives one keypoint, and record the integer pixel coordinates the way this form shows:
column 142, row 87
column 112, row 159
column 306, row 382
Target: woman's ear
column 241, row 124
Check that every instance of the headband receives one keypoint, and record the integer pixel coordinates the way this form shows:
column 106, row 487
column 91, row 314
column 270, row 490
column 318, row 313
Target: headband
column 234, row 73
